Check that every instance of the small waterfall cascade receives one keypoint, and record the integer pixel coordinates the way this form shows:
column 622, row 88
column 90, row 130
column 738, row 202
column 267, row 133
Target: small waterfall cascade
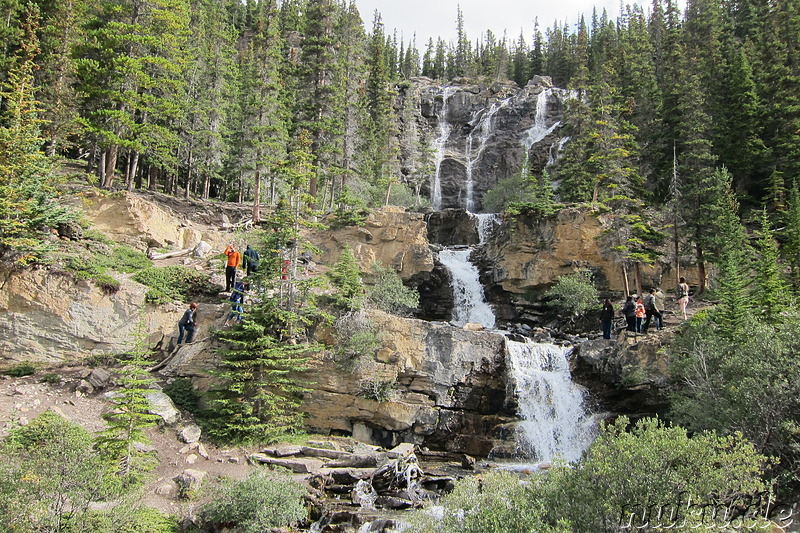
column 539, row 130
column 469, row 302
column 445, row 129
column 554, row 420
column 483, row 130
column 486, row 222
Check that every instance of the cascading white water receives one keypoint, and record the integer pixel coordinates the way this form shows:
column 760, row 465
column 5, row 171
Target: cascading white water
column 469, row 304
column 445, row 128
column 485, row 224
column 539, row 130
column 484, row 129
column 555, row 422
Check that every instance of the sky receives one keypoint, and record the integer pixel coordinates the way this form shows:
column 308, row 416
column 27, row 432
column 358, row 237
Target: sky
column 437, row 18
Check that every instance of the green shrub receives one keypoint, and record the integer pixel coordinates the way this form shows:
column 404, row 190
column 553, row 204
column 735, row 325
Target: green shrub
column 346, row 277
column 574, row 294
column 649, row 466
column 97, row 236
column 388, row 293
column 497, row 502
column 20, row 369
column 265, row 500
column 51, row 378
column 107, row 284
column 129, row 518
column 183, row 394
column 172, row 283
column 42, row 466
column 357, row 340
column 126, row 259
column 378, row 390
column 100, row 359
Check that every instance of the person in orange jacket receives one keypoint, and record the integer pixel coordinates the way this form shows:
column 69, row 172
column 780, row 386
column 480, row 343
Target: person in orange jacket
column 234, row 260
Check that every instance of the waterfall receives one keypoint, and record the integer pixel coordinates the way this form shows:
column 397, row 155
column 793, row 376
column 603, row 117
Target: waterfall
column 486, row 222
column 555, row 422
column 469, row 304
column 484, row 128
column 539, row 130
column 445, row 128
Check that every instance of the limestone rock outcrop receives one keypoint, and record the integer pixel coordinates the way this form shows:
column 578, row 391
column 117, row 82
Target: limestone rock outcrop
column 480, row 133
column 449, row 389
column 51, row 318
column 391, row 236
column 139, row 222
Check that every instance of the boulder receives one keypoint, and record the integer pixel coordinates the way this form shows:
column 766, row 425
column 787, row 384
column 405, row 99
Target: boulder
column 189, row 482
column 161, row 405
column 190, row 433
column 202, row 249
column 99, row 378
column 357, row 461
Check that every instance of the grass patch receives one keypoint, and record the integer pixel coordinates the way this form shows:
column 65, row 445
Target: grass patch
column 172, row 283
column 21, row 369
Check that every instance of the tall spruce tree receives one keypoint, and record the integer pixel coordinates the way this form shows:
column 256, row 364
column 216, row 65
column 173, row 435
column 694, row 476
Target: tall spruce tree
column 27, row 183
column 771, row 292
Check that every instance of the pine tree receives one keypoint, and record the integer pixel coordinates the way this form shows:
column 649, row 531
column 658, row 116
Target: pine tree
column 732, row 260
column 263, row 134
column 27, row 185
column 130, row 415
column 346, row 277
column 260, row 399
column 791, row 236
column 771, row 291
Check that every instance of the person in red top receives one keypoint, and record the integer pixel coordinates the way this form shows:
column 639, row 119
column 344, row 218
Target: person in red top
column 234, row 260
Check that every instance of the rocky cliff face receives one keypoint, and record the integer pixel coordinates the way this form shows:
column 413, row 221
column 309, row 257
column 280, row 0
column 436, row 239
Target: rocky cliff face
column 390, row 236
column 54, row 318
column 479, row 134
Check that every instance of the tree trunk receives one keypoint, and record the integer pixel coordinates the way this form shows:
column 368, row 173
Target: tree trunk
column 701, row 270
column 101, row 168
column 638, row 274
column 91, row 159
column 257, row 199
column 152, row 178
column 111, row 165
column 388, row 193
column 189, row 164
column 626, row 287
column 206, row 187
column 132, row 169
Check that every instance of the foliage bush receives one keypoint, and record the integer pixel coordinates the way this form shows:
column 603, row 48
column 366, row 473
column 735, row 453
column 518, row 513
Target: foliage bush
column 263, row 501
column 747, row 382
column 651, row 464
column 130, row 518
column 378, row 390
column 172, row 283
column 183, row 394
column 107, row 284
column 388, row 293
column 51, row 378
column 357, row 341
column 574, row 294
column 497, row 502
column 20, row 370
column 49, row 475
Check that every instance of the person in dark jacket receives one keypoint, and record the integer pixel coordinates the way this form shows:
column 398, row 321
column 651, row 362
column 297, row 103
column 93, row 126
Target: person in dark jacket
column 186, row 323
column 629, row 310
column 237, row 301
column 251, row 260
column 607, row 318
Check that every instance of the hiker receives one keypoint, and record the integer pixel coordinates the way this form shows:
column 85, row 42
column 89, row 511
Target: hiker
column 237, row 300
column 234, row 260
column 186, row 323
column 251, row 260
column 607, row 318
column 640, row 313
column 629, row 310
column 683, row 296
column 654, row 306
